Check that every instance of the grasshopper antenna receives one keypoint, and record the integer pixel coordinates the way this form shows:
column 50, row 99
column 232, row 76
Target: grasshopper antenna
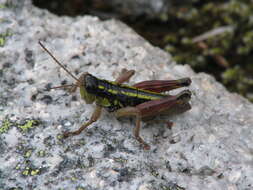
column 62, row 86
column 62, row 66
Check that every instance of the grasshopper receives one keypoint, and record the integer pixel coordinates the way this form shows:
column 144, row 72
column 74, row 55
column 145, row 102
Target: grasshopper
column 143, row 100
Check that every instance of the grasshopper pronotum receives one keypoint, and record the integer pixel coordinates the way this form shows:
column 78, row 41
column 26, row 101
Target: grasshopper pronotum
column 142, row 100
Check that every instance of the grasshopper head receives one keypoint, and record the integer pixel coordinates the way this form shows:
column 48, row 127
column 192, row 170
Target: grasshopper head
column 81, row 83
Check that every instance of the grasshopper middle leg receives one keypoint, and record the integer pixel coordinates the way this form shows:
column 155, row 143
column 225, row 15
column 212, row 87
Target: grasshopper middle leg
column 96, row 114
column 133, row 111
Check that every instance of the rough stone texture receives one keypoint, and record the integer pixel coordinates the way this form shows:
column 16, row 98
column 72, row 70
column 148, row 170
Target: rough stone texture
column 209, row 147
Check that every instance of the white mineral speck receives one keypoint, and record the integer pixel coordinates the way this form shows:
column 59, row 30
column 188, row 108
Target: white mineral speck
column 211, row 139
column 234, row 176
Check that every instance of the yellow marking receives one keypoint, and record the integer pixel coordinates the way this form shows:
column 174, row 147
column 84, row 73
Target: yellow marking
column 103, row 101
column 113, row 91
column 143, row 96
column 101, row 87
column 131, row 94
column 116, row 102
column 121, row 105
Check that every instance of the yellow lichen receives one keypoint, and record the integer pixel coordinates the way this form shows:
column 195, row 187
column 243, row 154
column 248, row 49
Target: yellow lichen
column 26, row 172
column 28, row 125
column 41, row 153
column 35, row 172
column 28, row 154
column 5, row 126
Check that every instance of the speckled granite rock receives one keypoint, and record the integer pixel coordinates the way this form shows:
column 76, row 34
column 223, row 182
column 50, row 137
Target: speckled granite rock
column 209, row 147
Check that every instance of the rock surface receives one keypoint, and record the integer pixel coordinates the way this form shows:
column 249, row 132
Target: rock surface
column 209, row 147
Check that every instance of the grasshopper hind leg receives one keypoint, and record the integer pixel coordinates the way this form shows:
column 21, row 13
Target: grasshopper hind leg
column 153, row 108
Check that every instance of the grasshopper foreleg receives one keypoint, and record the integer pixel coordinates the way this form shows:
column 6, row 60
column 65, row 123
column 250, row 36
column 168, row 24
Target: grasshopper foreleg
column 96, row 114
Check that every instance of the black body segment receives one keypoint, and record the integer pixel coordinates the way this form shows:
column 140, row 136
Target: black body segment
column 118, row 95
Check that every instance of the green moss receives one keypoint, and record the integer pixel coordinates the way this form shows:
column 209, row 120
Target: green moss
column 30, row 171
column 243, row 50
column 35, row 172
column 28, row 154
column 26, row 171
column 231, row 74
column 2, row 6
column 171, row 186
column 5, row 126
column 15, row 188
column 234, row 45
column 59, row 137
column 73, row 179
column 2, row 41
column 29, row 124
column 120, row 160
column 3, row 37
column 41, row 153
column 18, row 166
column 80, row 188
